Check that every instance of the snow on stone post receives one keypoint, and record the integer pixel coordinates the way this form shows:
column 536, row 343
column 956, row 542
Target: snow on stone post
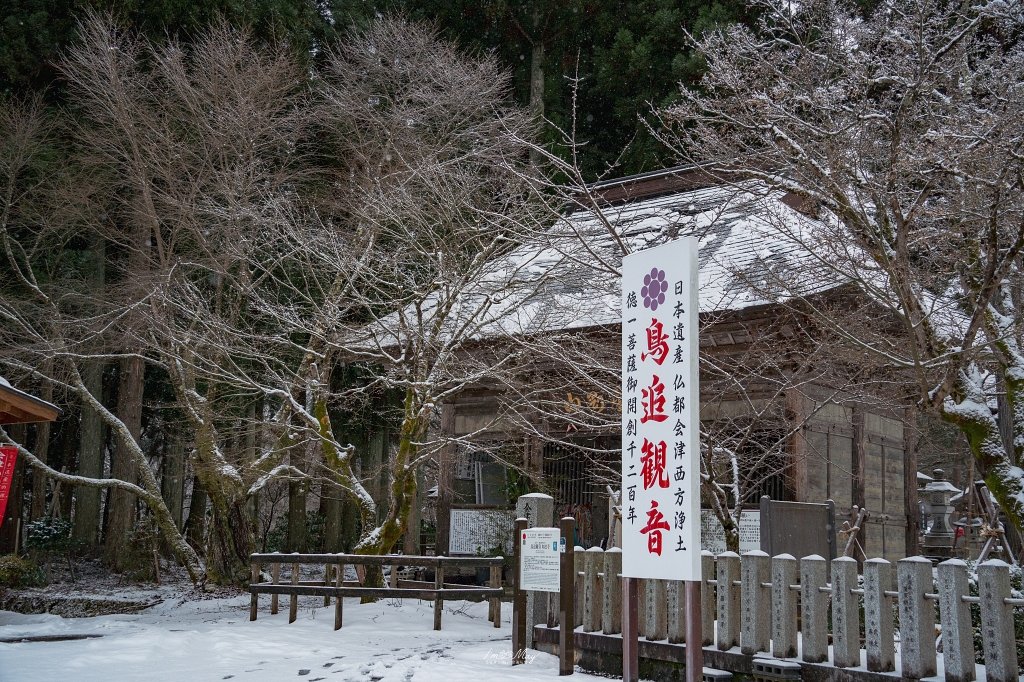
column 756, row 602
column 955, row 614
column 845, row 616
column 784, row 574
column 997, row 630
column 728, row 600
column 917, row 618
column 878, row 627
column 814, row 605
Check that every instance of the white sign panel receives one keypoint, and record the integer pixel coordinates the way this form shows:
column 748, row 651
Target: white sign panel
column 712, row 535
column 660, row 415
column 539, row 559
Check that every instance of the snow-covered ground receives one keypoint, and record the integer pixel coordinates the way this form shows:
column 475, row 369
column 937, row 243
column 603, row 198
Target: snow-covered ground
column 213, row 639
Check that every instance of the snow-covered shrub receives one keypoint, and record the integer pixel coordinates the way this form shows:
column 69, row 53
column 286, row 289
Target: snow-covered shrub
column 16, row 571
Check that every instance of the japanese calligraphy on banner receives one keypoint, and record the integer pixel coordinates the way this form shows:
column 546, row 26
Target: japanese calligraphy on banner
column 8, row 456
column 660, row 417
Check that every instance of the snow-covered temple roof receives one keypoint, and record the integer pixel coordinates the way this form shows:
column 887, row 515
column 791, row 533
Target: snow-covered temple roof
column 746, row 253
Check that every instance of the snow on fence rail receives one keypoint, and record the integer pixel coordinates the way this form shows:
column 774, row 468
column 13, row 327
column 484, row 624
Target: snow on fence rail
column 756, row 596
column 334, row 572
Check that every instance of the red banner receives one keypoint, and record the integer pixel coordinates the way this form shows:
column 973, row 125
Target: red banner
column 8, row 455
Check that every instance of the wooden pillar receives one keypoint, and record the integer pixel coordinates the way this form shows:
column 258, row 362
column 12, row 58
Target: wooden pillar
column 910, row 479
column 797, row 446
column 339, row 580
column 567, row 599
column 445, row 481
column 254, row 599
column 518, row 598
column 630, row 630
column 293, row 604
column 495, row 582
column 438, row 602
column 857, row 460
column 11, row 530
column 694, row 651
column 275, row 578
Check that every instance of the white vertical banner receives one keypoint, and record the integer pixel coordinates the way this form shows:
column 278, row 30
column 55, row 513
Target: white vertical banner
column 661, row 413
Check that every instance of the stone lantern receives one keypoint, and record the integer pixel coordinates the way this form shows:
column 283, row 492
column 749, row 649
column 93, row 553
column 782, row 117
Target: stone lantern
column 938, row 539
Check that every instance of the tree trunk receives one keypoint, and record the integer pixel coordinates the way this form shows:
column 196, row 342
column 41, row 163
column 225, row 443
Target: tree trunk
column 11, row 530
column 230, row 543
column 121, row 517
column 445, row 481
column 331, row 508
column 172, row 480
column 411, row 541
column 90, row 456
column 296, row 538
column 195, row 525
column 537, row 89
column 42, row 451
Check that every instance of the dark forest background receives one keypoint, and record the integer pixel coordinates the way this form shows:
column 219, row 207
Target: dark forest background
column 629, row 55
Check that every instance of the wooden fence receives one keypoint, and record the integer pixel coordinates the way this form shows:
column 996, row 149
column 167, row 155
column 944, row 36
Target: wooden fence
column 752, row 602
column 335, row 585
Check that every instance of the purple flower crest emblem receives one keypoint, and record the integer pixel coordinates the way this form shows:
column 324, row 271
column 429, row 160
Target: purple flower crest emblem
column 654, row 289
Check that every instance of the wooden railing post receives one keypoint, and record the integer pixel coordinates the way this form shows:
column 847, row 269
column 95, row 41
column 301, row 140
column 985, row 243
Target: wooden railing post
column 728, row 600
column 438, row 602
column 917, row 618
column 339, row 580
column 293, row 604
column 878, row 629
column 327, row 583
column 784, row 576
column 611, row 611
column 254, row 599
column 495, row 582
column 275, row 579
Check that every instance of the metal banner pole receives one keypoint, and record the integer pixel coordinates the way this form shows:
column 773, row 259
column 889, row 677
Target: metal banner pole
column 518, row 598
column 630, row 630
column 694, row 633
column 567, row 600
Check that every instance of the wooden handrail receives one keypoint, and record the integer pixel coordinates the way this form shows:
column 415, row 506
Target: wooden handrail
column 377, row 560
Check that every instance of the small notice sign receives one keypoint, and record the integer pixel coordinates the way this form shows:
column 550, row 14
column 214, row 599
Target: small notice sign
column 539, row 559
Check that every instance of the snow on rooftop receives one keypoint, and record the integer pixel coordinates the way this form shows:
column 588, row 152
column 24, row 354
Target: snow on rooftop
column 744, row 256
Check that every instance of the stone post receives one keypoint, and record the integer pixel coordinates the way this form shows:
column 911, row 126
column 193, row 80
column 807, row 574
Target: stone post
column 539, row 511
column 611, row 613
column 577, row 582
column 756, row 602
column 728, row 600
column 593, row 562
column 642, row 585
column 814, row 604
column 657, row 610
column 707, row 598
column 997, row 630
column 784, row 574
column 878, row 629
column 955, row 614
column 676, row 590
column 845, row 614
column 917, row 618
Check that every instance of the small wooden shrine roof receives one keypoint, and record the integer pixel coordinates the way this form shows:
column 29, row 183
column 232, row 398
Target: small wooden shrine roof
column 18, row 407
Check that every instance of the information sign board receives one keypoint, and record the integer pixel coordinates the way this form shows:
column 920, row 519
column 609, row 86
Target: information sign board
column 540, row 552
column 660, row 417
column 712, row 535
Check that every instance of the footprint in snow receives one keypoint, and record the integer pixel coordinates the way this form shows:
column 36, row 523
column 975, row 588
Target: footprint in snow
column 304, row 672
column 328, row 665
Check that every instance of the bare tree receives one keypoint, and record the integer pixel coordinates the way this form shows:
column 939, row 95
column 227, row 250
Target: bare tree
column 904, row 129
